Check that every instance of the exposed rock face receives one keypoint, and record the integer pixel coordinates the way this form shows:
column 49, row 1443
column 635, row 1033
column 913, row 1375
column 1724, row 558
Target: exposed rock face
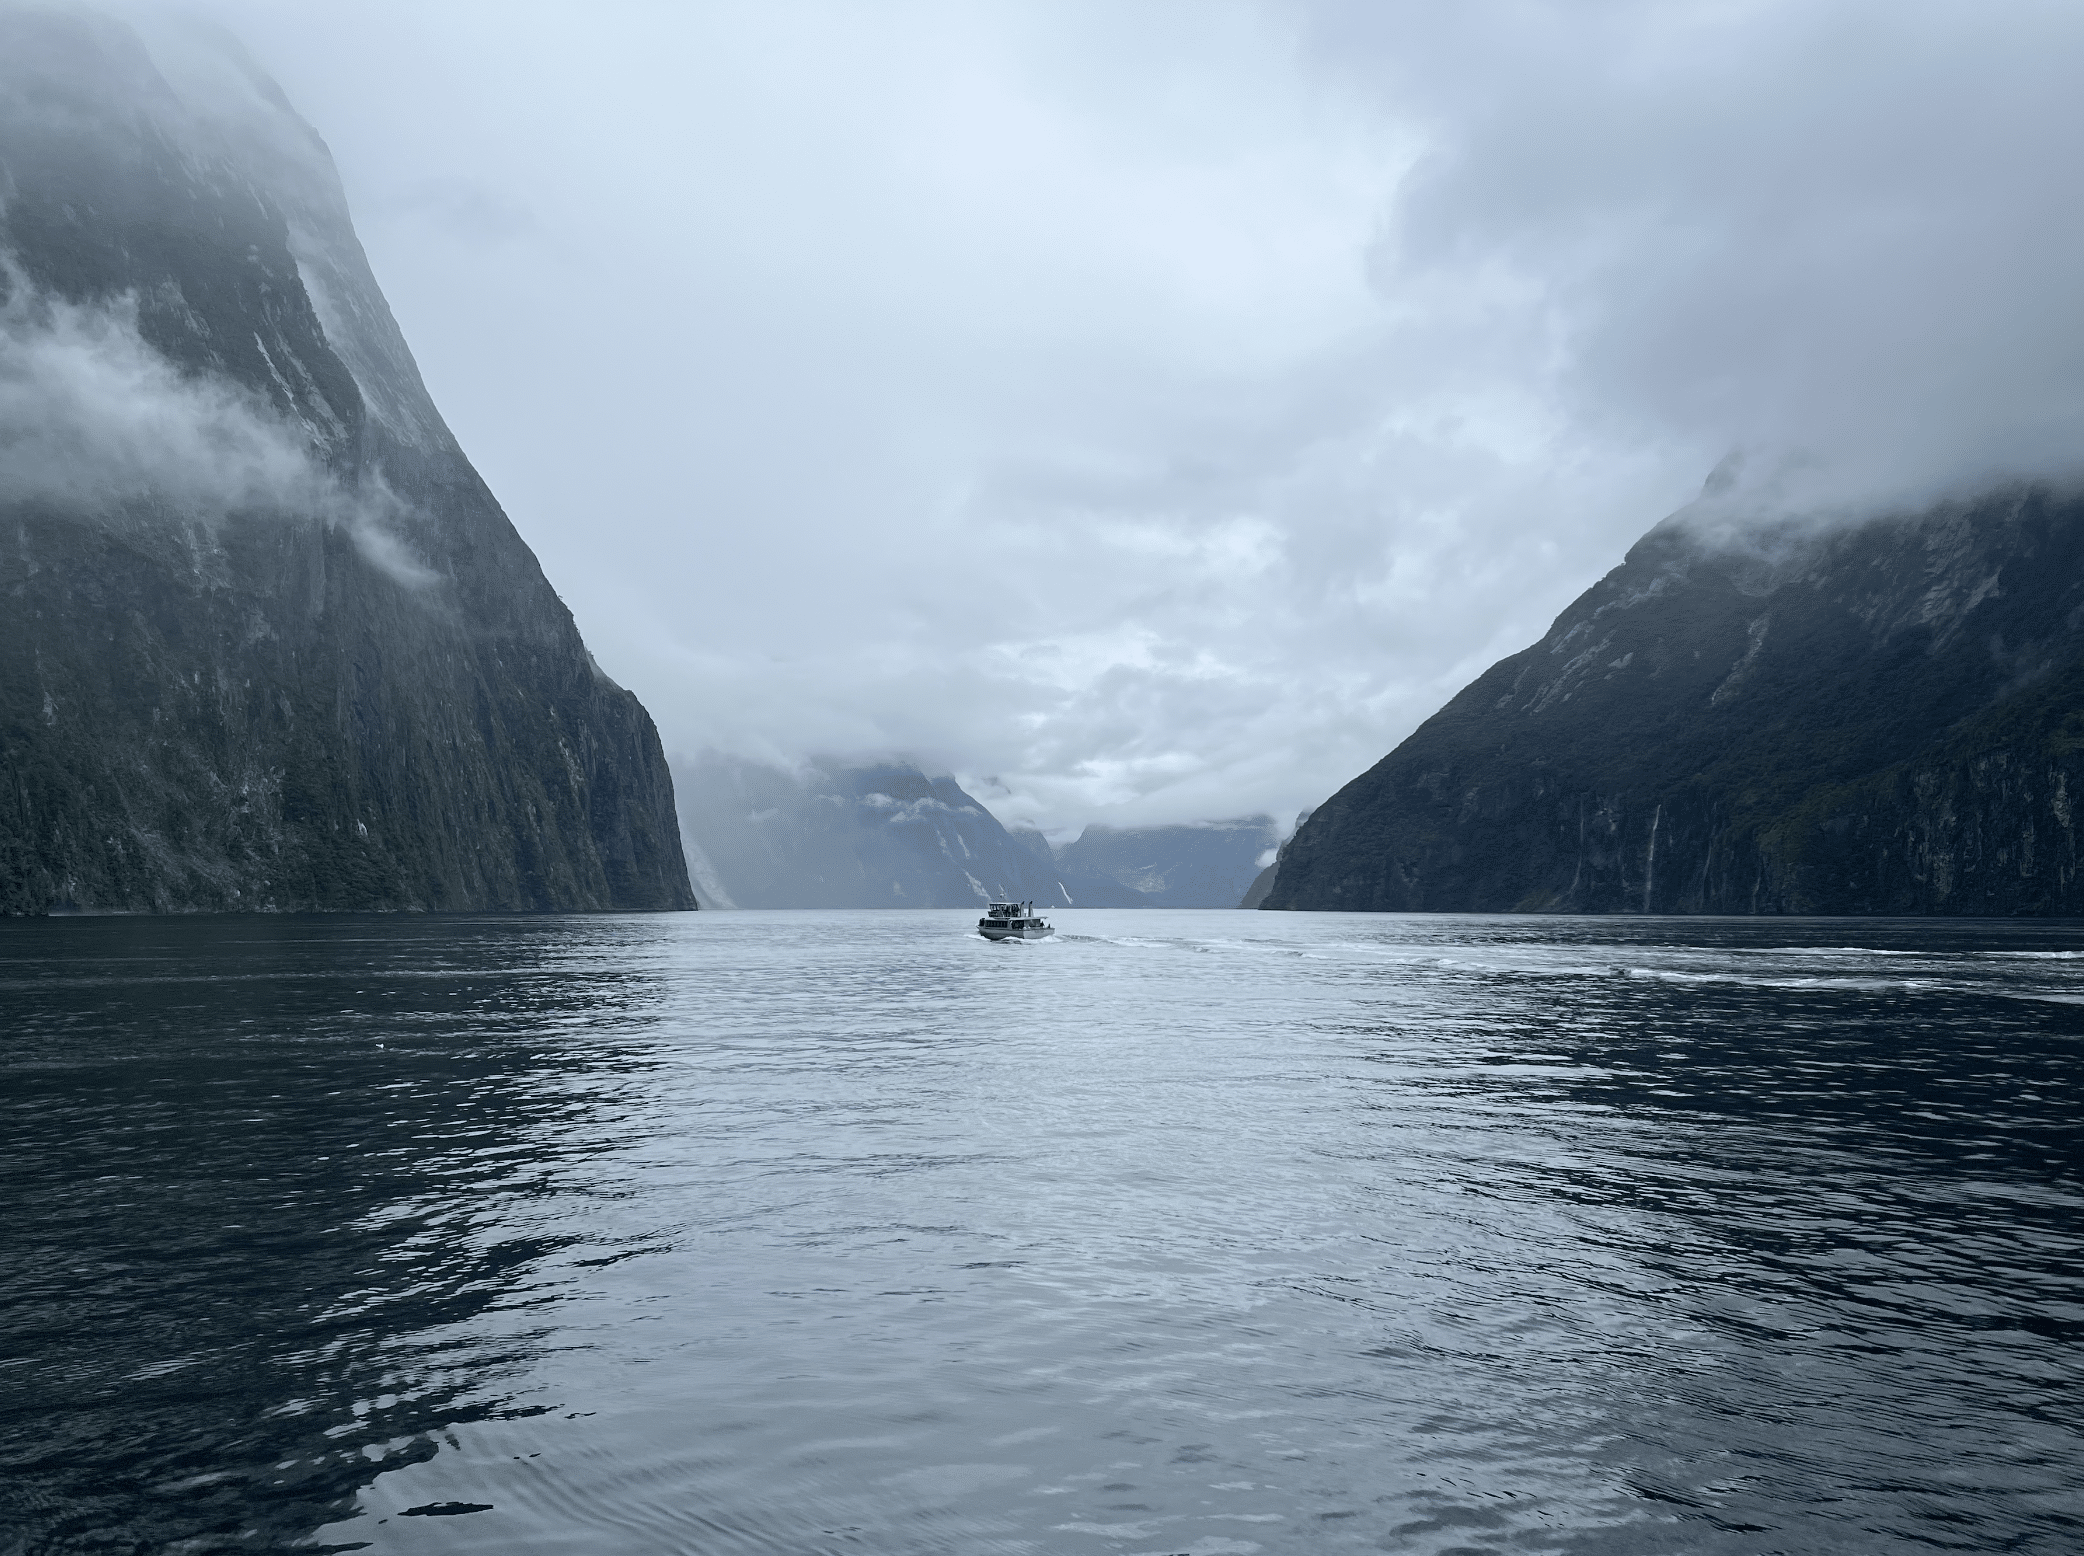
column 836, row 836
column 266, row 639
column 1887, row 718
column 1209, row 865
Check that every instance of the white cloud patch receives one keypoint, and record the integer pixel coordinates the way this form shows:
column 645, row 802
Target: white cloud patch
column 91, row 415
column 925, row 808
column 97, row 423
column 381, row 545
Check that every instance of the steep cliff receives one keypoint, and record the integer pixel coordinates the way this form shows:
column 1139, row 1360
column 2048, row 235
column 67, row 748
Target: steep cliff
column 1880, row 718
column 267, row 640
column 1262, row 885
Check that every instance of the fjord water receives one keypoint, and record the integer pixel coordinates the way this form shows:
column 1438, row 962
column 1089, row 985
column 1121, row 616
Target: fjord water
column 1185, row 1232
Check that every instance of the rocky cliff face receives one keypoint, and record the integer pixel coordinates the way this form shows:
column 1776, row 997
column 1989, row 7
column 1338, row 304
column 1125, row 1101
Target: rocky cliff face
column 267, row 640
column 1886, row 718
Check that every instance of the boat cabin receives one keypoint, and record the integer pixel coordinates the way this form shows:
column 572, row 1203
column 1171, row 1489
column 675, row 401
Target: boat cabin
column 1012, row 921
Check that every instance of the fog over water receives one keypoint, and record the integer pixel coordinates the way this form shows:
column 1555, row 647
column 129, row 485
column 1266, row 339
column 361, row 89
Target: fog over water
column 1151, row 413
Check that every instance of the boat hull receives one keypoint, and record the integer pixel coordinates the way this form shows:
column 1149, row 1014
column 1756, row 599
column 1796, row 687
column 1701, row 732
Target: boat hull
column 1011, row 933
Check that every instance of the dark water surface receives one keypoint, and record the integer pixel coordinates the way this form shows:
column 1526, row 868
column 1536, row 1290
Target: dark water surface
column 1187, row 1232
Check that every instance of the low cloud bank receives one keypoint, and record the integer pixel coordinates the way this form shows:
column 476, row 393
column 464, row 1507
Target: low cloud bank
column 92, row 416
column 1835, row 236
column 97, row 424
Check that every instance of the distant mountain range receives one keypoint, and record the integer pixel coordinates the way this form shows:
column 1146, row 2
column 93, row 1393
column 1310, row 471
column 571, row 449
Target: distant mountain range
column 1884, row 717
column 1204, row 865
column 828, row 835
column 835, row 835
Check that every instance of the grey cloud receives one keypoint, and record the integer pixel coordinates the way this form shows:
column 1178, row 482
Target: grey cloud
column 1164, row 408
column 466, row 211
column 1839, row 234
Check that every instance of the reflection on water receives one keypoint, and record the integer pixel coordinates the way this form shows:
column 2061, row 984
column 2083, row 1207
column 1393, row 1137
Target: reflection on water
column 255, row 1255
column 1209, row 1232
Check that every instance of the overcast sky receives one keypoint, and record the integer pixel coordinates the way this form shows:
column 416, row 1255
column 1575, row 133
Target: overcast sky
column 1160, row 408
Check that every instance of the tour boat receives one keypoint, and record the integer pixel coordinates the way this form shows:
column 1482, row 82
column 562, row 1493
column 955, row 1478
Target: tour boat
column 1012, row 921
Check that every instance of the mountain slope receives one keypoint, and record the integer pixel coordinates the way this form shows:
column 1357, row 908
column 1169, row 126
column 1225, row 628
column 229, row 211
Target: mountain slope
column 1262, row 885
column 1883, row 718
column 268, row 641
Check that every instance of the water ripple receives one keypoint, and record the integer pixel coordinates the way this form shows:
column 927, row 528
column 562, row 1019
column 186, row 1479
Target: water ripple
column 1185, row 1232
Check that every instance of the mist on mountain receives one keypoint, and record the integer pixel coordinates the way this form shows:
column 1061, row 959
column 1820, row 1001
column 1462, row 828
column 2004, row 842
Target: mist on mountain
column 270, row 643
column 1208, row 864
